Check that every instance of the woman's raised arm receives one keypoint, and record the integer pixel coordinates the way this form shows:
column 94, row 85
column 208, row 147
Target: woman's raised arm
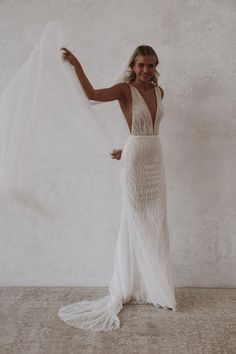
column 112, row 93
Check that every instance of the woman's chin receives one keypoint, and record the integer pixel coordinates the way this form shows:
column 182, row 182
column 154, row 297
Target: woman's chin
column 144, row 78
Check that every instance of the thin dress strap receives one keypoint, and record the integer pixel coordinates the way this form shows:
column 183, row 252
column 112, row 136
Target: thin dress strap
column 132, row 107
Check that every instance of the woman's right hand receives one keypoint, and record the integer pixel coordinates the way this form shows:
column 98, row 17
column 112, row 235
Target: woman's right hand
column 67, row 55
column 116, row 154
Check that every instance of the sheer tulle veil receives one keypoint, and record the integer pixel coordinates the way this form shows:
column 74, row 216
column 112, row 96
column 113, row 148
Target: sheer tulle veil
column 48, row 125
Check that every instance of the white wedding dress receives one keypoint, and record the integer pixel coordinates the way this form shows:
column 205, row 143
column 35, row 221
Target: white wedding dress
column 142, row 269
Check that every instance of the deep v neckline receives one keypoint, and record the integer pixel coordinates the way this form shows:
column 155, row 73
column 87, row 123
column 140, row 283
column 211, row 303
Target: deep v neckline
column 153, row 123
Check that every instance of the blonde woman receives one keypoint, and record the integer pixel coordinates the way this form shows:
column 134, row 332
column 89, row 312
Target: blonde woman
column 142, row 271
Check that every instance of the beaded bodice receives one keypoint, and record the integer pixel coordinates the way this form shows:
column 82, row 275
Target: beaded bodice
column 141, row 117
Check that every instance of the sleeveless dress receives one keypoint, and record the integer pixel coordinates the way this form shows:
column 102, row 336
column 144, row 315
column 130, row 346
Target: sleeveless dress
column 142, row 267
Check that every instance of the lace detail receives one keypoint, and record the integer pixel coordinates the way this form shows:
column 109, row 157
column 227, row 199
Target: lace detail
column 97, row 315
column 141, row 117
column 142, row 271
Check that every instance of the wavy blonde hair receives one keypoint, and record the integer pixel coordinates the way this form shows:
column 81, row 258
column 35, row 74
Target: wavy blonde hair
column 144, row 50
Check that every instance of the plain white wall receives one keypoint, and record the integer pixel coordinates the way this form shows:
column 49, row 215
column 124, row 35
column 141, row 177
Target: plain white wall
column 194, row 41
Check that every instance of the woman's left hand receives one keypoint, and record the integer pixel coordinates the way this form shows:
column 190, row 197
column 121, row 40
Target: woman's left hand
column 116, row 154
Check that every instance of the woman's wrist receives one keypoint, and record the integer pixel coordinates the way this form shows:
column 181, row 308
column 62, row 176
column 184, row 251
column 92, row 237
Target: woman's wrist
column 75, row 62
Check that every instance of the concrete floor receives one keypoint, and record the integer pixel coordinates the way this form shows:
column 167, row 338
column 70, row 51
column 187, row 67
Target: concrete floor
column 205, row 323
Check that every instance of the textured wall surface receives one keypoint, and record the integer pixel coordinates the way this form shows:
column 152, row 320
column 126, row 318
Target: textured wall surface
column 195, row 43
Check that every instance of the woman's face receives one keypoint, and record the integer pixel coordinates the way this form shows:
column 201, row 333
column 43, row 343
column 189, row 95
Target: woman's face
column 144, row 67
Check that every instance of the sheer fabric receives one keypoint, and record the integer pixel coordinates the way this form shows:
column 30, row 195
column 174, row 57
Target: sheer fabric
column 47, row 122
column 55, row 148
column 142, row 122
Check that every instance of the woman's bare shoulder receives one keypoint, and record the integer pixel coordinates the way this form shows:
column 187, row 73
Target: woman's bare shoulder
column 125, row 89
column 124, row 86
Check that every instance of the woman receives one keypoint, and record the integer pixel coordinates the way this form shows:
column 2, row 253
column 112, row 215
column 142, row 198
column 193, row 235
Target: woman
column 142, row 272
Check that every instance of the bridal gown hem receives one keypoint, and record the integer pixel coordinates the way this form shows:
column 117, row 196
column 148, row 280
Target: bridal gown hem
column 142, row 266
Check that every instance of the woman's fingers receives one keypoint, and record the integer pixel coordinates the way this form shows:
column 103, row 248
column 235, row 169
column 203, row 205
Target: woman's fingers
column 116, row 157
column 66, row 53
column 116, row 154
column 65, row 50
column 114, row 151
